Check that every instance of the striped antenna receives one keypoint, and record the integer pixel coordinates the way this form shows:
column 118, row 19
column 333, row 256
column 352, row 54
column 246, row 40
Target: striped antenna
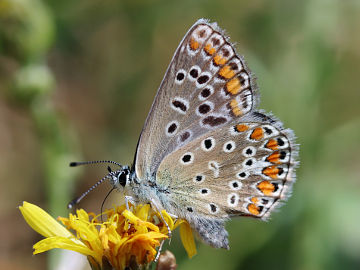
column 78, row 199
column 74, row 164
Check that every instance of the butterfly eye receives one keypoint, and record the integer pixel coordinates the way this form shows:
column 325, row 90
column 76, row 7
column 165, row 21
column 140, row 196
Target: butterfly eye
column 122, row 178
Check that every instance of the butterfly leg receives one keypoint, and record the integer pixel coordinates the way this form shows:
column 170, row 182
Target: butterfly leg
column 127, row 200
column 159, row 251
column 157, row 209
column 167, row 226
column 173, row 216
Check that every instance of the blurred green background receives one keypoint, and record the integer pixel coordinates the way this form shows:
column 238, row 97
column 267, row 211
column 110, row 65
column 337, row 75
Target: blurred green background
column 77, row 79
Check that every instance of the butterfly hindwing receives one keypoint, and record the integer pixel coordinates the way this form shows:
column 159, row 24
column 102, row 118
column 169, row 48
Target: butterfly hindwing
column 242, row 169
column 205, row 87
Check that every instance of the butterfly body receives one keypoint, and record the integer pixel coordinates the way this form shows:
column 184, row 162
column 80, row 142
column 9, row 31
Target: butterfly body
column 206, row 153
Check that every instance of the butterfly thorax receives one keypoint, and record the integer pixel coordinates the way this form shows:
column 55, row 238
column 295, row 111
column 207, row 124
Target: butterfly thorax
column 139, row 190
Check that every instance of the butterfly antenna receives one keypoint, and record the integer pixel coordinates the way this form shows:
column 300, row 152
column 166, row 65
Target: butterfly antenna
column 102, row 205
column 78, row 199
column 74, row 164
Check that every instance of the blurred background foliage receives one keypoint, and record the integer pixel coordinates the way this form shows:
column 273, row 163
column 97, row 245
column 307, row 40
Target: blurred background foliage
column 77, row 79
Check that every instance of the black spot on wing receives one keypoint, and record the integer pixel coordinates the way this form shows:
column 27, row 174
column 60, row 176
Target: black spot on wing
column 214, row 121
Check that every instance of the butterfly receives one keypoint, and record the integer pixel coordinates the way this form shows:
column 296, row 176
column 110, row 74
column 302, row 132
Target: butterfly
column 206, row 153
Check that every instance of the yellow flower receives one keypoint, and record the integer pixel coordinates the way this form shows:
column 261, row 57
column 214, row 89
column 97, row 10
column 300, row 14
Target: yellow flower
column 124, row 237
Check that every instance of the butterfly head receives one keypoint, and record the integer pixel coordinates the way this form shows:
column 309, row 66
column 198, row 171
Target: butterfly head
column 119, row 179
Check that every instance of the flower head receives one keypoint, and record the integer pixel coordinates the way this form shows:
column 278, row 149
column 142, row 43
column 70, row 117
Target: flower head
column 123, row 238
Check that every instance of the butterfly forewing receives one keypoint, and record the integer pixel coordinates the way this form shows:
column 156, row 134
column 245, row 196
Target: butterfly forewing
column 205, row 88
column 242, row 169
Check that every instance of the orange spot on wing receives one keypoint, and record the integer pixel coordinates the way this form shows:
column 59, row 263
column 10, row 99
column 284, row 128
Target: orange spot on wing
column 242, row 127
column 272, row 144
column 255, row 200
column 257, row 134
column 253, row 209
column 266, row 187
column 233, row 86
column 209, row 49
column 274, row 157
column 271, row 171
column 194, row 45
column 235, row 107
column 219, row 60
column 226, row 72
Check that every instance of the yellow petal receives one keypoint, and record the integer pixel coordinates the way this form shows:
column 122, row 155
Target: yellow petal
column 187, row 239
column 130, row 216
column 112, row 234
column 168, row 219
column 137, row 221
column 85, row 230
column 143, row 211
column 42, row 222
column 178, row 223
column 82, row 215
column 149, row 235
column 64, row 243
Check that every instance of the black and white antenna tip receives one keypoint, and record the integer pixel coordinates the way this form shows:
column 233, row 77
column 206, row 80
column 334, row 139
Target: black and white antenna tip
column 72, row 203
